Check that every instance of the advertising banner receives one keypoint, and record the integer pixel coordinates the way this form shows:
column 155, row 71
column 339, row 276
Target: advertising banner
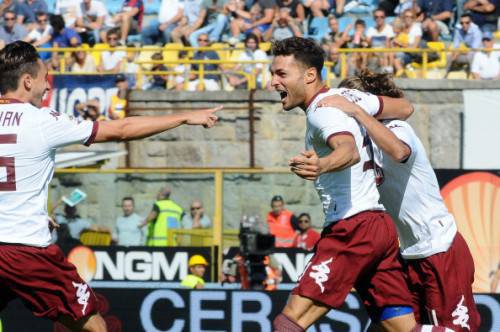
column 174, row 310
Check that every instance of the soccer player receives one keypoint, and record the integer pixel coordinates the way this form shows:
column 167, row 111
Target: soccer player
column 30, row 267
column 439, row 264
column 359, row 245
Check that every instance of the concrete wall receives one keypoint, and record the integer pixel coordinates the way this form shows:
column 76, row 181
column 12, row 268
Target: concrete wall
column 278, row 136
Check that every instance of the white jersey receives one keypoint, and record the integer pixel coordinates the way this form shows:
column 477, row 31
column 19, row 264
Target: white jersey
column 352, row 190
column 410, row 193
column 29, row 137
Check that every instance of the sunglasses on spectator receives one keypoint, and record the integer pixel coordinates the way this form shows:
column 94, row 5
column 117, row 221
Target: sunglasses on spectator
column 42, row 21
column 202, row 40
column 379, row 16
column 9, row 18
column 303, row 221
column 112, row 38
column 465, row 22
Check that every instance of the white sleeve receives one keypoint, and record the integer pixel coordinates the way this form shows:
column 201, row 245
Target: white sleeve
column 330, row 121
column 370, row 103
column 405, row 133
column 61, row 129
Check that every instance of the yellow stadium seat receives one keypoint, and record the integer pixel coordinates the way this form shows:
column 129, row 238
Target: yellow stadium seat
column 171, row 52
column 96, row 54
column 265, row 46
column 222, row 50
column 440, row 62
column 95, row 238
column 147, row 52
column 496, row 35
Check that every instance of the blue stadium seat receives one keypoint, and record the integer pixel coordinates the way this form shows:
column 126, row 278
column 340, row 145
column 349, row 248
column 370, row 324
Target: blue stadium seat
column 113, row 6
column 151, row 7
column 51, row 5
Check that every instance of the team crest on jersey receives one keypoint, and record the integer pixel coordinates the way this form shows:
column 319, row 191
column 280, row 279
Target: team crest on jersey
column 461, row 315
column 320, row 273
column 82, row 294
column 349, row 94
column 55, row 114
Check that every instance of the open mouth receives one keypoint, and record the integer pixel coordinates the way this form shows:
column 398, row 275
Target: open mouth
column 283, row 95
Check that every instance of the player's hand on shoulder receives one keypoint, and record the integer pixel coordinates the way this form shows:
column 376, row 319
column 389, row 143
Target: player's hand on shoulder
column 340, row 102
column 306, row 165
column 205, row 118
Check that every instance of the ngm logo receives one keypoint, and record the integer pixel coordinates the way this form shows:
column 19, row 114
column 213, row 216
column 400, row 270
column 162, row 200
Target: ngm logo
column 101, row 265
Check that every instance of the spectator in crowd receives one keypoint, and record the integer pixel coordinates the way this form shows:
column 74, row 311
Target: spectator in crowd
column 160, row 30
column 83, row 62
column 467, row 35
column 256, row 20
column 307, row 237
column 118, row 104
column 26, row 11
column 190, row 22
column 181, row 72
column 197, row 267
column 486, row 63
column 210, row 80
column 127, row 231
column 251, row 53
column 284, row 26
column 380, row 36
column 280, row 223
column 90, row 110
column 409, row 37
column 92, row 21
column 196, row 218
column 68, row 9
column 295, row 10
column 214, row 14
column 158, row 81
column 131, row 69
column 62, row 36
column 76, row 224
column 41, row 34
column 484, row 13
column 359, row 40
column 11, row 31
column 111, row 60
column 129, row 19
column 165, row 215
column 333, row 56
column 435, row 16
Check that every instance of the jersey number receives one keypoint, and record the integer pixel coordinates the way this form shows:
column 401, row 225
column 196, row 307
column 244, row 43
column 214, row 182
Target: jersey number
column 9, row 163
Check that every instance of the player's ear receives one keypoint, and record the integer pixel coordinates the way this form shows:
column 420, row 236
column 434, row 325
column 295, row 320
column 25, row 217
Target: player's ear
column 311, row 75
column 27, row 81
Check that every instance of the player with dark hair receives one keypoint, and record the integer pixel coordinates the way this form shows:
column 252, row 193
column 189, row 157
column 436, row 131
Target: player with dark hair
column 30, row 267
column 440, row 267
column 359, row 245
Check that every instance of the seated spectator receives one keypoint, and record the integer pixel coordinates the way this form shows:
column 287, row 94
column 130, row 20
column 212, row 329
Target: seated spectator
column 467, row 35
column 486, row 63
column 210, row 80
column 359, row 40
column 295, row 9
column 68, row 9
column 11, row 31
column 410, row 37
column 158, row 82
column 256, row 20
column 92, row 21
column 126, row 231
column 197, row 267
column 26, row 11
column 380, row 36
column 284, row 26
column 118, row 104
column 214, row 13
column 190, row 22
column 41, row 34
column 435, row 17
column 196, row 218
column 251, row 53
column 307, row 236
column 333, row 56
column 62, row 36
column 111, row 61
column 76, row 224
column 280, row 223
column 129, row 19
column 484, row 13
column 160, row 30
column 83, row 62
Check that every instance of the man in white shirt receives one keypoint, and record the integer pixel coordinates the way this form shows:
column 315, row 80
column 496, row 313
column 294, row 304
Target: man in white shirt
column 486, row 64
column 440, row 266
column 111, row 61
column 92, row 20
column 170, row 14
column 380, row 36
column 126, row 231
column 29, row 137
column 359, row 246
column 41, row 35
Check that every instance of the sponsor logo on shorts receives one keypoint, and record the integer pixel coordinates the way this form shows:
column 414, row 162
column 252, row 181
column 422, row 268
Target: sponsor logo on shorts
column 461, row 315
column 320, row 273
column 82, row 294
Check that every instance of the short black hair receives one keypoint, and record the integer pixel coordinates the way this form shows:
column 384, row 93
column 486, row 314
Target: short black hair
column 128, row 198
column 57, row 23
column 252, row 36
column 16, row 59
column 113, row 31
column 277, row 198
column 467, row 14
column 306, row 51
column 304, row 214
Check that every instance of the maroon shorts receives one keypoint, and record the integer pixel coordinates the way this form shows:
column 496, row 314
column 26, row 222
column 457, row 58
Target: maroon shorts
column 361, row 252
column 441, row 287
column 45, row 281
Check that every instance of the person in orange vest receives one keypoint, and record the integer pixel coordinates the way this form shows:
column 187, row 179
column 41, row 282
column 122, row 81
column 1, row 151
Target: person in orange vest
column 280, row 222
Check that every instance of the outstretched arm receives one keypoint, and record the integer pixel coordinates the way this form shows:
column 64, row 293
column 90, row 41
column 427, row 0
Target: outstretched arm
column 143, row 126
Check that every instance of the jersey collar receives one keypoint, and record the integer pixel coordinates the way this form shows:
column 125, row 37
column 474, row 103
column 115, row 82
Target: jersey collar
column 10, row 101
column 322, row 90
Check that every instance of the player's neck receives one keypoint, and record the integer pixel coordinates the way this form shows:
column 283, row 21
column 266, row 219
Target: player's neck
column 312, row 91
column 17, row 95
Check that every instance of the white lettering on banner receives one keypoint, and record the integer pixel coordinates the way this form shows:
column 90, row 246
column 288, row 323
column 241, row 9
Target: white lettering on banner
column 196, row 299
column 140, row 265
column 82, row 294
column 260, row 317
column 147, row 307
column 64, row 102
column 321, row 272
column 301, row 260
column 461, row 315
